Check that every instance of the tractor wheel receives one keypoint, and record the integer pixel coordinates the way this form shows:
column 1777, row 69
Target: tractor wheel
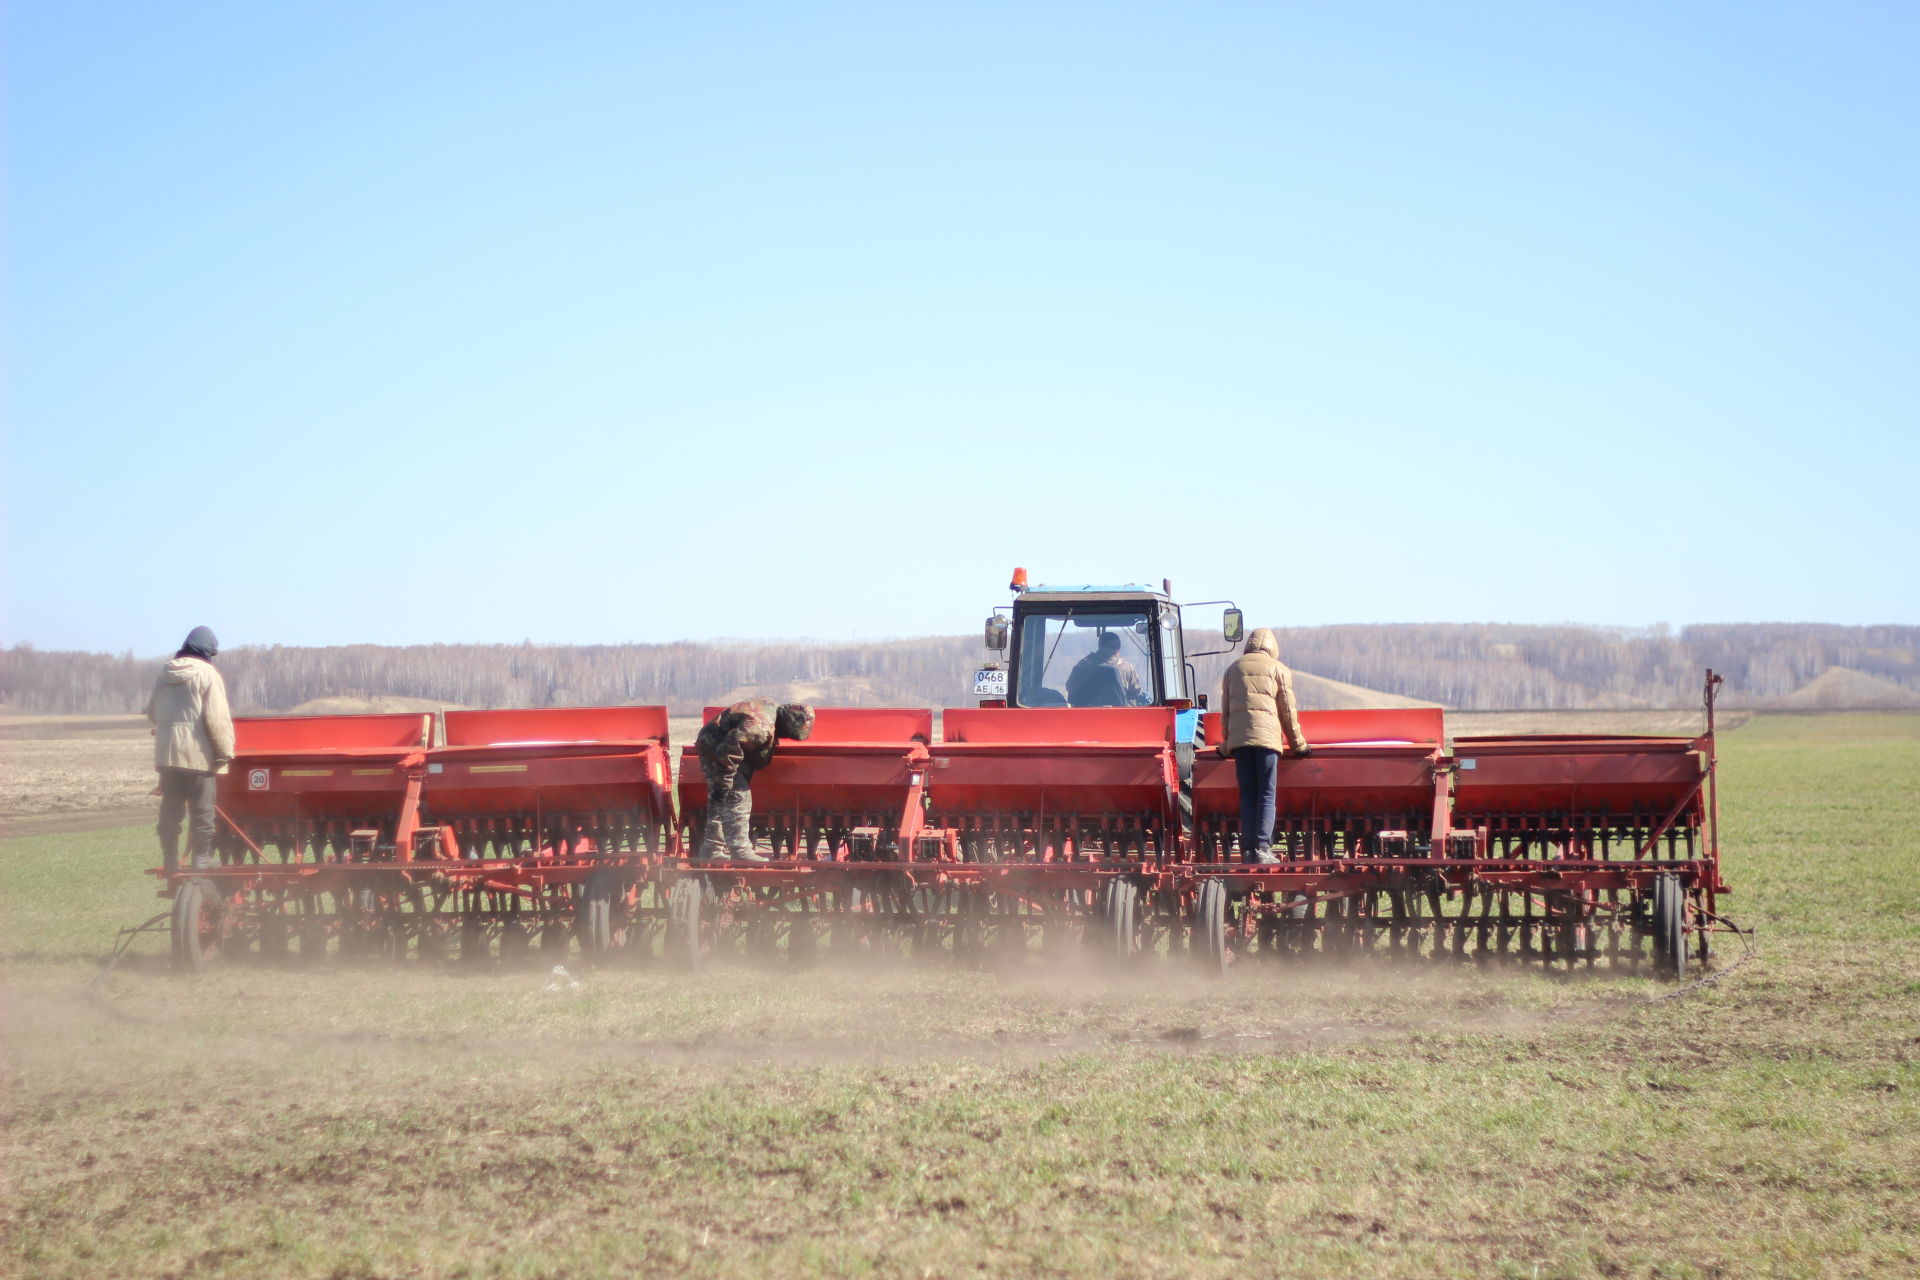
column 1669, row 927
column 683, row 921
column 1122, row 907
column 196, row 927
column 1210, row 926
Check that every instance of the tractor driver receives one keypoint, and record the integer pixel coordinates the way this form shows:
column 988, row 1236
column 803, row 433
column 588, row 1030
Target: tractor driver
column 733, row 746
column 1105, row 679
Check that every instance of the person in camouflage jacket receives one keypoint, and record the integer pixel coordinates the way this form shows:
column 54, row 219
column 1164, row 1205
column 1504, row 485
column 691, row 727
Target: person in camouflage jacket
column 733, row 746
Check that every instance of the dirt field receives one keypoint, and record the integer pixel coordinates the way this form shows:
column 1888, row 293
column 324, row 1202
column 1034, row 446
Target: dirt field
column 1432, row 1121
column 62, row 772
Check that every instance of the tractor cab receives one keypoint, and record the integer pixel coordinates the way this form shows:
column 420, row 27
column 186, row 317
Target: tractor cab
column 1093, row 646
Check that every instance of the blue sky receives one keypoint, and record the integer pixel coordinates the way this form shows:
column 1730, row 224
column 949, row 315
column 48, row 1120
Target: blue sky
column 605, row 322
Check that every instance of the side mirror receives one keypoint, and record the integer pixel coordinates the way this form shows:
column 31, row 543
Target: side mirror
column 1232, row 626
column 996, row 632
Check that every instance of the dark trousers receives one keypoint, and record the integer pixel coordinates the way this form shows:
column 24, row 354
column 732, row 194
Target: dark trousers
column 1258, row 771
column 186, row 793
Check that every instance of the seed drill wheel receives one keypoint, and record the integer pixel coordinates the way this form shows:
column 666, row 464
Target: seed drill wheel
column 603, row 919
column 1119, row 912
column 1210, row 926
column 684, row 903
column 196, row 927
column 1669, row 927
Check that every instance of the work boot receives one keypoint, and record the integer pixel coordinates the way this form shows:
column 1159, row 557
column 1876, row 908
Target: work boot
column 749, row 855
column 205, row 860
column 1261, row 855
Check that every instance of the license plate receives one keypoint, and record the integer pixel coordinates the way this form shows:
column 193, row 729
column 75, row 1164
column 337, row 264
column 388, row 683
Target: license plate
column 990, row 684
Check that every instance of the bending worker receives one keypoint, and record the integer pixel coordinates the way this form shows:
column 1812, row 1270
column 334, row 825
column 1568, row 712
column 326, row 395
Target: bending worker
column 733, row 746
column 192, row 743
column 1105, row 679
column 1258, row 721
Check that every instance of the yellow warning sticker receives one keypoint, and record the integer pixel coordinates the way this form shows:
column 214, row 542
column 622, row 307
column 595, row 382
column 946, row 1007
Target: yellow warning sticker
column 371, row 773
column 306, row 773
column 497, row 768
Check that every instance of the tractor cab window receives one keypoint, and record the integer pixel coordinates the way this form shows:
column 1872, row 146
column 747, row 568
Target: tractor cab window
column 1085, row 660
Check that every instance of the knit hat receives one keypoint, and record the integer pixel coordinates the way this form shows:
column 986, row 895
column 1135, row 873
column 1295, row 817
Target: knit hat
column 201, row 640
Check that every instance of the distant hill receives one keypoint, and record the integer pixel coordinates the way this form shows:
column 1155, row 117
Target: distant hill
column 1843, row 689
column 825, row 691
column 1466, row 666
column 379, row 704
column 1317, row 693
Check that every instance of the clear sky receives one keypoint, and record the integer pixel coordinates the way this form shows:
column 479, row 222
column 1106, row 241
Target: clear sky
column 399, row 322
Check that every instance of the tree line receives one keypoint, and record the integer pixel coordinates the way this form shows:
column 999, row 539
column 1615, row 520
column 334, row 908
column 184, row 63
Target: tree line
column 1497, row 667
column 1471, row 666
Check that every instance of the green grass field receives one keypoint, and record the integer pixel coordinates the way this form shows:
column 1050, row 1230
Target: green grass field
column 1375, row 1121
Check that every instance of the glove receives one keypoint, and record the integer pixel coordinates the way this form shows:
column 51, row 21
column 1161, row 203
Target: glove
column 1303, row 752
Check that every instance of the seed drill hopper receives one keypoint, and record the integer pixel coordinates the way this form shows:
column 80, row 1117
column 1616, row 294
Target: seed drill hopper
column 352, row 831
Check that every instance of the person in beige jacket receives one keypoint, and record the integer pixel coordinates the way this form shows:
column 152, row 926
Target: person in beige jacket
column 192, row 743
column 1258, row 720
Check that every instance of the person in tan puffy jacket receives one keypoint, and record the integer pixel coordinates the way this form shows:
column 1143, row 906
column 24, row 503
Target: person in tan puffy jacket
column 1258, row 720
column 192, row 743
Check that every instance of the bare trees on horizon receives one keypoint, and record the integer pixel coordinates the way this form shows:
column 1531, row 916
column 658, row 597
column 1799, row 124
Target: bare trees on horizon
column 1464, row 665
